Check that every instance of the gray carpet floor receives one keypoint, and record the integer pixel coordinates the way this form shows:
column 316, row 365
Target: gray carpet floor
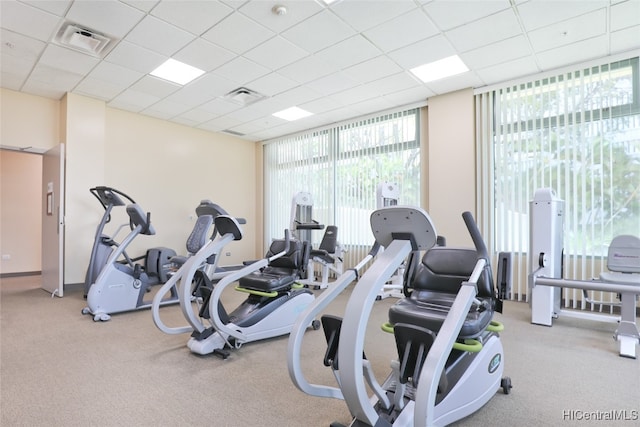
column 59, row 368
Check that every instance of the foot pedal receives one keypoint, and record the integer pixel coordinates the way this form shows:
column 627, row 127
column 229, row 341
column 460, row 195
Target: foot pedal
column 222, row 353
column 199, row 336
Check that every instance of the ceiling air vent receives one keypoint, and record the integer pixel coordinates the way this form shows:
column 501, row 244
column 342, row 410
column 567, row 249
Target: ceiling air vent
column 233, row 132
column 244, row 96
column 82, row 39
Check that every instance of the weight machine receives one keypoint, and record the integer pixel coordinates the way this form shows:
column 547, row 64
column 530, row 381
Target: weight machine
column 546, row 282
column 329, row 255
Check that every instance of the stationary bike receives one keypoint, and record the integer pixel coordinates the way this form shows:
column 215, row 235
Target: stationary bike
column 270, row 309
column 450, row 359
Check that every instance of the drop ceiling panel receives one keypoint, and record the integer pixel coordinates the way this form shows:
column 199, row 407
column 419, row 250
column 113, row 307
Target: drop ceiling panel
column 297, row 11
column 194, row 16
column 308, row 69
column 626, row 39
column 203, row 54
column 364, row 14
column 333, row 83
column 574, row 53
column 144, row 5
column 238, row 33
column 349, row 52
column 19, row 46
column 97, row 88
column 373, row 69
column 319, row 31
column 423, row 52
column 497, row 53
column 68, row 60
column 276, row 53
column 30, row 21
column 159, row 36
column 241, row 70
column 110, row 17
column 133, row 100
column 570, row 31
column 348, row 59
column 57, row 7
column 155, row 86
column 135, row 57
column 624, row 15
column 485, row 31
column 540, row 13
column 402, row 31
column 272, row 84
column 450, row 14
column 115, row 74
column 505, row 71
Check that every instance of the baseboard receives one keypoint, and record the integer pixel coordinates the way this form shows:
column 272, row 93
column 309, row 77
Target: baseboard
column 20, row 274
column 73, row 286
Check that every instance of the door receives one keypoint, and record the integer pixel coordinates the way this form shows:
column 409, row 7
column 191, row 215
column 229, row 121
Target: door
column 53, row 221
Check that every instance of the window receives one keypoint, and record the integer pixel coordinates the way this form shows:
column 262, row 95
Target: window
column 341, row 167
column 578, row 133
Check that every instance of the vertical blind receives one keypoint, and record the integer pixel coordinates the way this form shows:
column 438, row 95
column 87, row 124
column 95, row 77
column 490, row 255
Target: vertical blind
column 577, row 132
column 340, row 168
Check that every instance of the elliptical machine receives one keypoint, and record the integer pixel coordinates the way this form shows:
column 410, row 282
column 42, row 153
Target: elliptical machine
column 155, row 259
column 121, row 285
column 270, row 309
column 450, row 359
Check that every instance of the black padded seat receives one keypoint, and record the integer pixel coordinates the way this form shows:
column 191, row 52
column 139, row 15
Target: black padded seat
column 435, row 284
column 281, row 272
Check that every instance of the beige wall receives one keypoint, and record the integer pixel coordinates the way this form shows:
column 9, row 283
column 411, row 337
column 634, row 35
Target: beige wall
column 28, row 121
column 167, row 168
column 83, row 133
column 451, row 164
column 20, row 211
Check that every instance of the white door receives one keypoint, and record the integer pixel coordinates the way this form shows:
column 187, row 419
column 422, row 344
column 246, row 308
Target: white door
column 53, row 221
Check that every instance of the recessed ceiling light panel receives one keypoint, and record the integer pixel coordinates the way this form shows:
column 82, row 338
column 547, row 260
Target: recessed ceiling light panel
column 293, row 113
column 440, row 69
column 177, row 72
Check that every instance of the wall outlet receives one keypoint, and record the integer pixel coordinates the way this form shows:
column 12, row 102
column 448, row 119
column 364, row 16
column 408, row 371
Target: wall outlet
column 227, row 254
column 6, row 257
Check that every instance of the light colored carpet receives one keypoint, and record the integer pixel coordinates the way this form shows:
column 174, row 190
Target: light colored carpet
column 59, row 368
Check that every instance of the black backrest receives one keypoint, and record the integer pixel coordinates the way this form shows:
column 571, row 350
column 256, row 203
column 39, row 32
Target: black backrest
column 329, row 239
column 198, row 237
column 443, row 269
column 293, row 259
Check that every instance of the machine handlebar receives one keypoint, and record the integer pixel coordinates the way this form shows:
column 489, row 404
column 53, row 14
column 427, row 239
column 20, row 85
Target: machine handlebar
column 478, row 241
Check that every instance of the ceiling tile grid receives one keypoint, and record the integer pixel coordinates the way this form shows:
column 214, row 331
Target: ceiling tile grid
column 337, row 61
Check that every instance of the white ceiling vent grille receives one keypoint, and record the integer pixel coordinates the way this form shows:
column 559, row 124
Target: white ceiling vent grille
column 83, row 39
column 244, row 96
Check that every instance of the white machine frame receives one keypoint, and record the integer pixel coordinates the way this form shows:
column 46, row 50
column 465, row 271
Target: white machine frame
column 278, row 322
column 391, row 227
column 545, row 280
column 388, row 194
column 302, row 225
